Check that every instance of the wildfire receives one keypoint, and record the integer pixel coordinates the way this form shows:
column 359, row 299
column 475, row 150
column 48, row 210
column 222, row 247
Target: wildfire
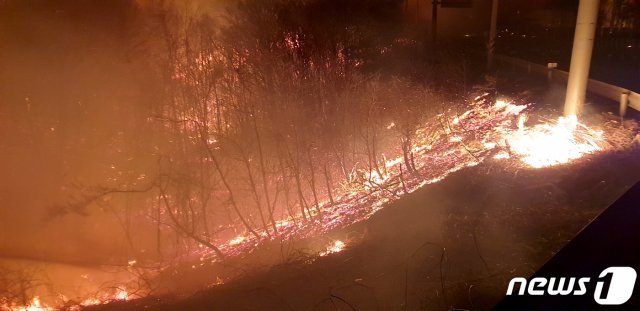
column 122, row 295
column 486, row 131
column 237, row 240
column 335, row 247
column 119, row 294
column 103, row 297
column 549, row 144
column 34, row 305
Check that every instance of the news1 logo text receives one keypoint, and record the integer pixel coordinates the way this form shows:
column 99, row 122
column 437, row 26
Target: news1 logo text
column 614, row 286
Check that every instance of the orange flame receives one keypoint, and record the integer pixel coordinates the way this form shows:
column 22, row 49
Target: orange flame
column 549, row 144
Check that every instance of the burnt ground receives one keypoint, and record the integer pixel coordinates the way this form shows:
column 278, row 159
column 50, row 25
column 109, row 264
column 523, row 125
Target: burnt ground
column 450, row 245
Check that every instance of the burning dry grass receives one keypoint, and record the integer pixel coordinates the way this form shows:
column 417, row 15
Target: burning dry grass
column 335, row 247
column 553, row 143
column 448, row 144
column 487, row 131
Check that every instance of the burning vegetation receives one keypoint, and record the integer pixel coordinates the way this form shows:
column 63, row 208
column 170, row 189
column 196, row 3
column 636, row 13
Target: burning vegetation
column 269, row 127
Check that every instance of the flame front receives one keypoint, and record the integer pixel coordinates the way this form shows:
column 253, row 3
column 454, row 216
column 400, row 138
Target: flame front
column 34, row 305
column 486, row 131
column 335, row 247
column 549, row 144
column 495, row 130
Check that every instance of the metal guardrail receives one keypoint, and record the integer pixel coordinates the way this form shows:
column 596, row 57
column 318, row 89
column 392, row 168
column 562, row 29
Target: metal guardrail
column 625, row 97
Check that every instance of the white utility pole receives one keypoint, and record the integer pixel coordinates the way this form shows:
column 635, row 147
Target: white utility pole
column 581, row 56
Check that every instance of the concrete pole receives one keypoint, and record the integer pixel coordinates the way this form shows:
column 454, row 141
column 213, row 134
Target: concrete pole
column 491, row 46
column 581, row 56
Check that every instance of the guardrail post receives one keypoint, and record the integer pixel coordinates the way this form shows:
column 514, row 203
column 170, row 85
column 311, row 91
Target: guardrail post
column 550, row 68
column 624, row 103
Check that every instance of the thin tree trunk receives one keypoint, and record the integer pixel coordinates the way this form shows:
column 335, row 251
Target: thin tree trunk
column 227, row 186
column 327, row 179
column 182, row 229
column 312, row 180
column 256, row 197
column 264, row 176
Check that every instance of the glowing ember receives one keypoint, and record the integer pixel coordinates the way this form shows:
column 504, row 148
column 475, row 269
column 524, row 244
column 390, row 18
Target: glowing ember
column 556, row 143
column 122, row 295
column 502, row 155
column 237, row 240
column 35, row 305
column 119, row 294
column 91, row 302
column 335, row 247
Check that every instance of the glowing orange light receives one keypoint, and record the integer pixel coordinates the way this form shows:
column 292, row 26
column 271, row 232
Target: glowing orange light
column 549, row 144
column 335, row 247
column 34, row 305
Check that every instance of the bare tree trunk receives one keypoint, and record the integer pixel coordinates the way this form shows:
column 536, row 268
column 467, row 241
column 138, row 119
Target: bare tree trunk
column 264, row 175
column 295, row 164
column 226, row 184
column 406, row 154
column 404, row 187
column 184, row 230
column 327, row 179
column 374, row 153
column 312, row 180
column 341, row 161
column 256, row 197
column 158, row 231
column 285, row 182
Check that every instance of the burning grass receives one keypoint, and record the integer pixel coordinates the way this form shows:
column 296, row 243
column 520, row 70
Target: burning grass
column 554, row 143
column 487, row 130
column 448, row 143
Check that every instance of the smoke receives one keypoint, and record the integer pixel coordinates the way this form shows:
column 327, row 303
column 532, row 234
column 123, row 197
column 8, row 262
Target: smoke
column 190, row 8
column 64, row 65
